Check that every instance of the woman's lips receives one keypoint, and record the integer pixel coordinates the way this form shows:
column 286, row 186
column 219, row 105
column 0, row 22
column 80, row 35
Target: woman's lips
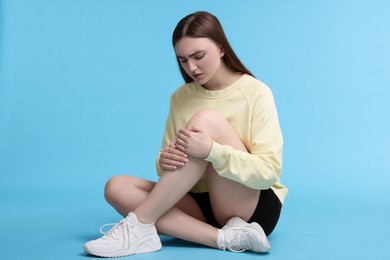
column 197, row 76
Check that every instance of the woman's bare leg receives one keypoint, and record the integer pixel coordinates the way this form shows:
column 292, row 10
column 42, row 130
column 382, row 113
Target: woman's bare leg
column 185, row 220
column 228, row 198
column 170, row 188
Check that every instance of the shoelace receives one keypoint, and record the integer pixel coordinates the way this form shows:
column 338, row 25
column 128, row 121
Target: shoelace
column 114, row 230
column 238, row 243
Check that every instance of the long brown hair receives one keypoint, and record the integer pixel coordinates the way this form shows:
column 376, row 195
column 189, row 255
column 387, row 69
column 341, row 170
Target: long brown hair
column 205, row 25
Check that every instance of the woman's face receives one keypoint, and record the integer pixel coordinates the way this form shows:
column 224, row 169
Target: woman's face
column 199, row 57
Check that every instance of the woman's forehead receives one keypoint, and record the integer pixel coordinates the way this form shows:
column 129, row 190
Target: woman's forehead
column 188, row 45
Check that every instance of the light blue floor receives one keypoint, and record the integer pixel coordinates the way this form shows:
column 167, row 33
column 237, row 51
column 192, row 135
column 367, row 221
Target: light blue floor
column 53, row 224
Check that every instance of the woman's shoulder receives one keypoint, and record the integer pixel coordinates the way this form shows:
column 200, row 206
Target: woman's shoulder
column 182, row 92
column 254, row 87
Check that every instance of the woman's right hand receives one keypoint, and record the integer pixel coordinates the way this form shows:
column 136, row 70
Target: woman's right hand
column 171, row 158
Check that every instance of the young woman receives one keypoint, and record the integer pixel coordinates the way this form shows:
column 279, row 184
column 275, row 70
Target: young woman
column 220, row 163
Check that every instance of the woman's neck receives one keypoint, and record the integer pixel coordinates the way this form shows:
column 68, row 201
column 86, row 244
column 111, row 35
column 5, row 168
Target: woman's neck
column 222, row 79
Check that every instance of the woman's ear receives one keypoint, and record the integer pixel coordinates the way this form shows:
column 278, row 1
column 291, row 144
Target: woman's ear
column 221, row 51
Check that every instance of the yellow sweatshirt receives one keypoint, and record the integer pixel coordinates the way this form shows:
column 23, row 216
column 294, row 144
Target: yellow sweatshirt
column 249, row 106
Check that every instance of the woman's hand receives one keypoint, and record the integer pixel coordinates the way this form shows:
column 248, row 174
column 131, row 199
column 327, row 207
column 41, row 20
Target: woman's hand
column 171, row 158
column 194, row 142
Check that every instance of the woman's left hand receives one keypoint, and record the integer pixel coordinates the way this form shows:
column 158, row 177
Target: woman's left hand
column 194, row 142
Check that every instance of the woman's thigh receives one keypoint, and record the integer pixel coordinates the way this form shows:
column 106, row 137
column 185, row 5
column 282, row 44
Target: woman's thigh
column 229, row 198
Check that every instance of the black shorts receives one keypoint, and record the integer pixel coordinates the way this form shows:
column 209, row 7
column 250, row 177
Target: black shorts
column 266, row 214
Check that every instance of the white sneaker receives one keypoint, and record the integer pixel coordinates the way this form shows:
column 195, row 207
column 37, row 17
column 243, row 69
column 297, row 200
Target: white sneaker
column 128, row 237
column 240, row 236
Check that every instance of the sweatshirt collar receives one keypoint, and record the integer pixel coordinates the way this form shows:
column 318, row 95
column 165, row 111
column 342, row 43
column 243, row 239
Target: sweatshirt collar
column 222, row 92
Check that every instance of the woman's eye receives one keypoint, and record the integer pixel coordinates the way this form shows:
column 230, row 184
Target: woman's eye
column 198, row 57
column 183, row 61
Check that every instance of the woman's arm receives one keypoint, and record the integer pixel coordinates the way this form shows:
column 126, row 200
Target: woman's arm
column 169, row 157
column 261, row 167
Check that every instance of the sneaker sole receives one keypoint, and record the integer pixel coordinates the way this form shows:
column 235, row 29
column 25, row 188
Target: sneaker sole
column 121, row 253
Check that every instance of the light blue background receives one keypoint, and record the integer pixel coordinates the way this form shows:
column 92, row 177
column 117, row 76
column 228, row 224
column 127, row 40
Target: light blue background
column 84, row 94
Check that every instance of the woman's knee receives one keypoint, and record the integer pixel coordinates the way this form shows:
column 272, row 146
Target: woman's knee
column 206, row 117
column 217, row 127
column 114, row 187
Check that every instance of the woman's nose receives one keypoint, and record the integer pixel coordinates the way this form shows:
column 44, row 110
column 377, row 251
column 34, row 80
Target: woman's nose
column 192, row 66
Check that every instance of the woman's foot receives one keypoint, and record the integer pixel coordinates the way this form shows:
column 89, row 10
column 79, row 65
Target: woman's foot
column 128, row 237
column 238, row 236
